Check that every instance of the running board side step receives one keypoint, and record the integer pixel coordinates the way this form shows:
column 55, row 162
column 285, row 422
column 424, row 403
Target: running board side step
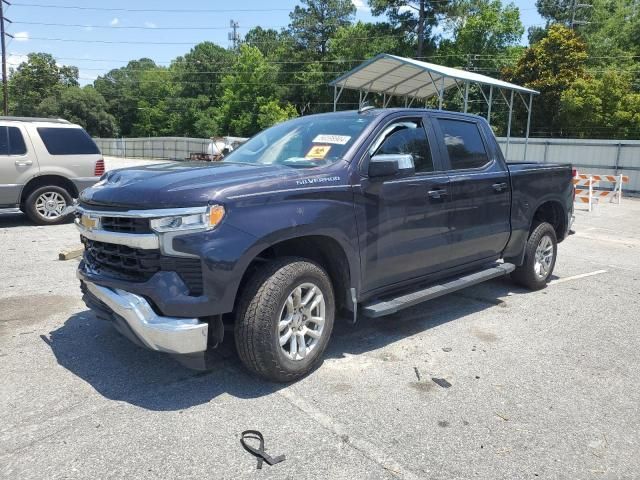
column 389, row 306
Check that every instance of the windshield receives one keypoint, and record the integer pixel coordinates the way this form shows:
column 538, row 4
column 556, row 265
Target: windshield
column 304, row 142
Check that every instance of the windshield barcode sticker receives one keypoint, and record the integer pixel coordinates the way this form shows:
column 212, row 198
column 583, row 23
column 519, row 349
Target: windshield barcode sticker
column 335, row 139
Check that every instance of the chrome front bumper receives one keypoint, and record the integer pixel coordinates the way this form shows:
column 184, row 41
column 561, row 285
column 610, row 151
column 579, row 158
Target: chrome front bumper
column 163, row 334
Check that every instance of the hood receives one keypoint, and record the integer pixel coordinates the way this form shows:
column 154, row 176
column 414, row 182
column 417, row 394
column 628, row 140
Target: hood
column 183, row 184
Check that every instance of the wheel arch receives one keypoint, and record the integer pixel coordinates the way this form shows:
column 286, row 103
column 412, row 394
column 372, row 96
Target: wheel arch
column 552, row 212
column 324, row 250
column 47, row 180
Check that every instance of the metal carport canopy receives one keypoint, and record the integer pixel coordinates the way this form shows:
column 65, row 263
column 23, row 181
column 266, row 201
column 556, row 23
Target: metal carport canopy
column 399, row 76
column 395, row 76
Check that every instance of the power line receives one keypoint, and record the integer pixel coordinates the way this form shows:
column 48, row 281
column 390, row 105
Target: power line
column 157, row 10
column 483, row 57
column 136, row 42
column 127, row 27
column 191, row 27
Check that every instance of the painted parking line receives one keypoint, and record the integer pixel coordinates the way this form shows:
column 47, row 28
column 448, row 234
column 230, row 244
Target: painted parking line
column 365, row 447
column 576, row 277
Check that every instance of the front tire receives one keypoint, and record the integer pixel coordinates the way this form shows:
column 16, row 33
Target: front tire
column 44, row 206
column 541, row 251
column 284, row 320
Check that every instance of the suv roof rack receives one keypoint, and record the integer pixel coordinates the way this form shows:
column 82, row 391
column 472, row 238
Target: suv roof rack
column 34, row 119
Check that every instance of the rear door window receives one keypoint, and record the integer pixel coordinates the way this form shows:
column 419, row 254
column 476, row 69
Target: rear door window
column 12, row 141
column 464, row 144
column 67, row 141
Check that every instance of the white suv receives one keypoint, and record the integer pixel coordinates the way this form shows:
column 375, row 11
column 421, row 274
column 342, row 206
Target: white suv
column 44, row 164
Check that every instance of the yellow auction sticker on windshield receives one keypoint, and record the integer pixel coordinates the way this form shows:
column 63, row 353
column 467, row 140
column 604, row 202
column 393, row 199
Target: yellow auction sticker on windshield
column 318, row 152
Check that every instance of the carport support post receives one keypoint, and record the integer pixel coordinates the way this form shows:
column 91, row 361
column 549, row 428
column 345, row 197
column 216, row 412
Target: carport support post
column 466, row 96
column 526, row 140
column 441, row 94
column 490, row 101
column 506, row 153
column 336, row 95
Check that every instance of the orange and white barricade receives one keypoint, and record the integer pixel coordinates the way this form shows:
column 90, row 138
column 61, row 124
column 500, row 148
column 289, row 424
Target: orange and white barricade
column 588, row 188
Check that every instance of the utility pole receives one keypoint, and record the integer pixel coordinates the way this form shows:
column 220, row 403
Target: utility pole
column 574, row 8
column 234, row 37
column 421, row 22
column 5, row 87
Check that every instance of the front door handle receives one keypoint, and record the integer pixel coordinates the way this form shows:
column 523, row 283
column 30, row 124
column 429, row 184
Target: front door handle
column 437, row 194
column 499, row 187
column 23, row 163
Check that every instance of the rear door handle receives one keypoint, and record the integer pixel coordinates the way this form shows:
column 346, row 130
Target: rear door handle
column 499, row 187
column 437, row 194
column 23, row 163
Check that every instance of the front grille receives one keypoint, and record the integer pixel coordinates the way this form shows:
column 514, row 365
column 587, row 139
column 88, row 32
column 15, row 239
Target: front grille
column 138, row 265
column 125, row 224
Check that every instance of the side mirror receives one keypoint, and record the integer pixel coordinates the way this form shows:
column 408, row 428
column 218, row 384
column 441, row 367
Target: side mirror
column 387, row 165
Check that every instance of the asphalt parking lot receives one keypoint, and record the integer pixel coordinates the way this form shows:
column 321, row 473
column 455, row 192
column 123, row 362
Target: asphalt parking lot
column 542, row 385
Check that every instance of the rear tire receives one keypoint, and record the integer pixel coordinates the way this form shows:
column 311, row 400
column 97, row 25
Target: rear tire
column 272, row 308
column 541, row 251
column 44, row 205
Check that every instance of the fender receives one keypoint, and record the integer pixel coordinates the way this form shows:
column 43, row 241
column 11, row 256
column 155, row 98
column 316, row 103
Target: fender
column 250, row 229
column 522, row 217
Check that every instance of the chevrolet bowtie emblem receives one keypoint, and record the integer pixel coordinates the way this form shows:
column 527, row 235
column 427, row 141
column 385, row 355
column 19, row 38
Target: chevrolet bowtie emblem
column 89, row 222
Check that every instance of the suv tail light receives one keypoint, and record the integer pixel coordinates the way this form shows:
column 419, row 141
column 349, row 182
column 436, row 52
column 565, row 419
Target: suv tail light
column 574, row 172
column 99, row 170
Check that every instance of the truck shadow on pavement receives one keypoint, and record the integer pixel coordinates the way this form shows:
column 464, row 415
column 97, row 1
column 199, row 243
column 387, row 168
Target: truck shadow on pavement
column 10, row 220
column 119, row 370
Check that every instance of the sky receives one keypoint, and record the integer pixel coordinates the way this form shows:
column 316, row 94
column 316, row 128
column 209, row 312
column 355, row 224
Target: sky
column 97, row 36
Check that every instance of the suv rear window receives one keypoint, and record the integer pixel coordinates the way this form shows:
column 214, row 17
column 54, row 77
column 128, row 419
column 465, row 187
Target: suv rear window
column 67, row 141
column 11, row 141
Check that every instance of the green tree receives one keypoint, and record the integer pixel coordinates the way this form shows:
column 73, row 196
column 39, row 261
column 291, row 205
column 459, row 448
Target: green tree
column 556, row 11
column 271, row 43
column 309, row 90
column 121, row 89
column 550, row 66
column 361, row 41
column 157, row 108
column 245, row 91
column 273, row 112
column 603, row 107
column 415, row 17
column 200, row 71
column 84, row 106
column 37, row 78
column 613, row 32
column 485, row 27
column 316, row 21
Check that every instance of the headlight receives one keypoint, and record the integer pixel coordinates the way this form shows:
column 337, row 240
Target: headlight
column 198, row 221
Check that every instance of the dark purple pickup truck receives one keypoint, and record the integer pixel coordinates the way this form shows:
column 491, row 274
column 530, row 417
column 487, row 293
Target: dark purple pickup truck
column 363, row 212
